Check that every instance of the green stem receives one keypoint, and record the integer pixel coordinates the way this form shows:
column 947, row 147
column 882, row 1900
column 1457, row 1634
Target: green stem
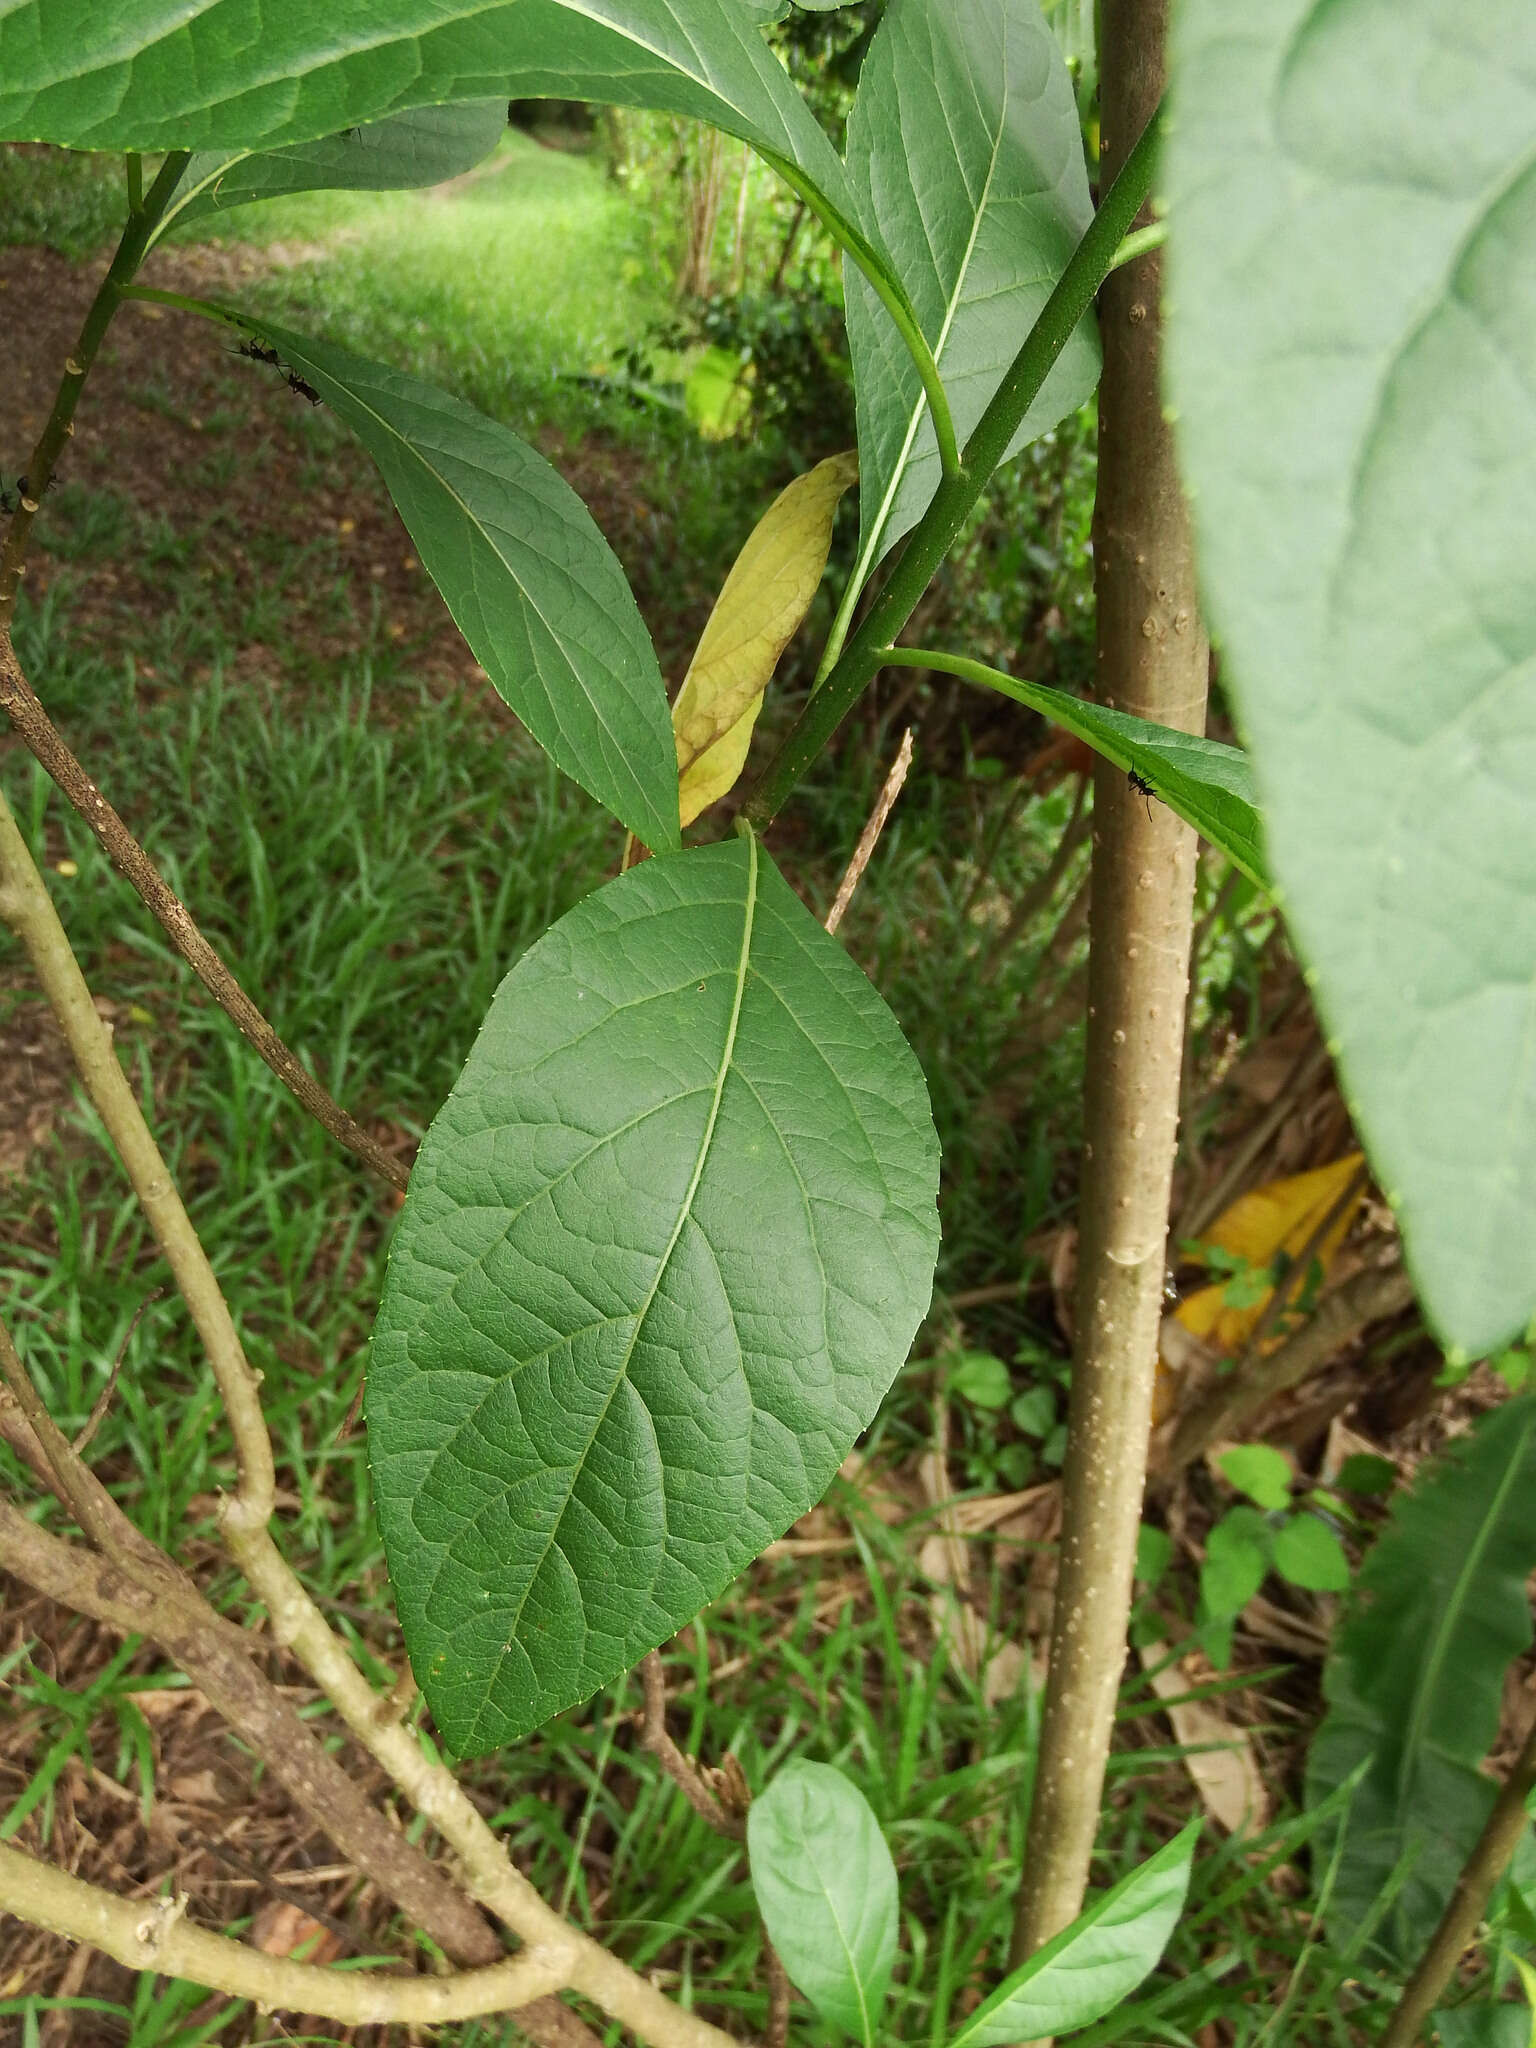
column 956, row 496
column 895, row 302
column 60, row 423
column 133, row 170
column 1140, row 242
column 1056, row 705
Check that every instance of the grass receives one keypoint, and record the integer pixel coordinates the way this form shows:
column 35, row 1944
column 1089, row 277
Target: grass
column 372, row 854
column 537, row 272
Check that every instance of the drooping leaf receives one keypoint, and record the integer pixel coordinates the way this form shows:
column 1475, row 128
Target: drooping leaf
column 1280, row 1218
column 531, row 583
column 826, row 1888
column 965, row 149
column 766, row 595
column 663, row 1252
column 1208, row 784
column 423, row 147
column 1096, row 1962
column 1416, row 1677
column 1352, row 352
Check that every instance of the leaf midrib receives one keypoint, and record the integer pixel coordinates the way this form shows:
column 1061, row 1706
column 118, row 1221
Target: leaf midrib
column 685, row 1210
column 1430, row 1669
column 952, row 305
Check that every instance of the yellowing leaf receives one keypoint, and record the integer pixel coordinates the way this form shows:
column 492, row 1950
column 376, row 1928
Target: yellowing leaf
column 1280, row 1216
column 766, row 595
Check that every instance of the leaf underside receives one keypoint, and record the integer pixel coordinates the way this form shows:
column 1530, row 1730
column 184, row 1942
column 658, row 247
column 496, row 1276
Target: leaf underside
column 1352, row 352
column 410, row 151
column 966, row 153
column 663, row 1252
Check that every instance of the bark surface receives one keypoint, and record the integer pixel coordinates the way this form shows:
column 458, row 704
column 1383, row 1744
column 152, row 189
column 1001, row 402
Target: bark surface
column 1153, row 661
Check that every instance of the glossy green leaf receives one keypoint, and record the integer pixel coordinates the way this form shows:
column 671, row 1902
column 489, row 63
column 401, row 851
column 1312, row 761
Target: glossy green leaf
column 190, row 74
column 1308, row 1553
column 1260, row 1471
column 1415, row 1681
column 663, row 1252
column 1096, row 1962
column 1208, row 784
column 1352, row 351
column 423, row 147
column 531, row 583
column 826, row 1888
column 210, row 75
column 965, row 149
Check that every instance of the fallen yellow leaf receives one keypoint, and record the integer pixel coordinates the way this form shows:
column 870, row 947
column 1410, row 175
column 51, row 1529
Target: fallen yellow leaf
column 766, row 595
column 1280, row 1216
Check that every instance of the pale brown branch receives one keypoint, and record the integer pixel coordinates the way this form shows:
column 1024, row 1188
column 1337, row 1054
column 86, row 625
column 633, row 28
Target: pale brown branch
column 1152, row 662
column 103, row 1400
column 34, row 1433
column 27, row 907
column 683, row 1772
column 156, row 1936
column 216, row 1657
column 296, row 1621
column 776, row 2034
column 20, row 703
column 869, row 838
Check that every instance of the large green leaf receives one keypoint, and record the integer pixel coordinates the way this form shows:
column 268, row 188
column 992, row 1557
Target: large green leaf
column 1096, row 1962
column 826, row 1888
column 1415, row 1681
column 1352, row 349
column 223, row 74
column 531, row 583
column 966, row 153
column 422, row 147
column 663, row 1252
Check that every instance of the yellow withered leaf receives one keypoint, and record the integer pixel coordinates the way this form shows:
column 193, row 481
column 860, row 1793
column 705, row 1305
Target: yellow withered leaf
column 766, row 595
column 1280, row 1216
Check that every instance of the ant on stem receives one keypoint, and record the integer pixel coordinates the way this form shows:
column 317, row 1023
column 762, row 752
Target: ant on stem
column 1143, row 789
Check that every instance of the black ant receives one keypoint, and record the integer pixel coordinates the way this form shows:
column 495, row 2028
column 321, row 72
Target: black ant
column 297, row 383
column 259, row 353
column 1143, row 789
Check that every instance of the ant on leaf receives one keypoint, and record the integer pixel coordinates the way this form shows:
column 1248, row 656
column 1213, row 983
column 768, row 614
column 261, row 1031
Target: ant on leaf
column 1143, row 789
